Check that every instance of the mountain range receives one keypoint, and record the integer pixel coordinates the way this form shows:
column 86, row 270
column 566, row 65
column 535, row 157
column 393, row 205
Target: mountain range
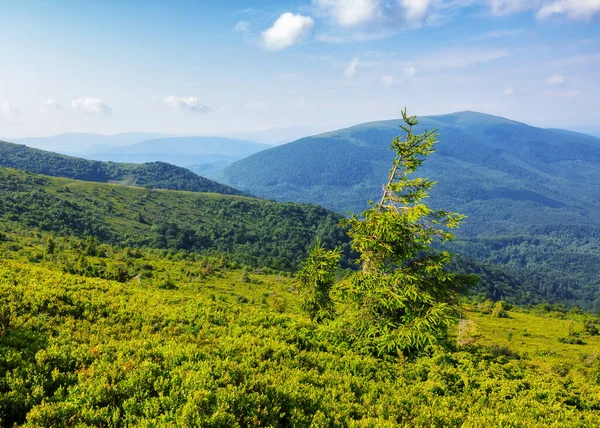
column 199, row 154
column 531, row 194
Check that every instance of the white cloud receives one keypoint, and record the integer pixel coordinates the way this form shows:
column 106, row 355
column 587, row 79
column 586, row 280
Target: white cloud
column 242, row 27
column 556, row 80
column 192, row 104
column 53, row 103
column 350, row 13
column 505, row 7
column 375, row 13
column 415, row 10
column 508, row 92
column 288, row 30
column 350, row 70
column 410, row 71
column 91, row 106
column 387, row 80
column 10, row 113
column 573, row 9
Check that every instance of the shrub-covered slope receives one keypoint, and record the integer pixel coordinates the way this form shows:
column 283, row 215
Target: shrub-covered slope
column 218, row 347
column 253, row 231
column 531, row 195
column 158, row 175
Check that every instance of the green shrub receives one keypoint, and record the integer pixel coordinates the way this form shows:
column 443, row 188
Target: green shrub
column 591, row 329
column 571, row 340
column 501, row 309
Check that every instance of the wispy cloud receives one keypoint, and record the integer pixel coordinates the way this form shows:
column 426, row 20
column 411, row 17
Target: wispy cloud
column 498, row 34
column 191, row 104
column 53, row 104
column 288, row 30
column 355, row 13
column 92, row 106
column 572, row 9
column 556, row 80
column 350, row 70
column 242, row 27
column 457, row 58
column 582, row 60
column 10, row 113
column 387, row 80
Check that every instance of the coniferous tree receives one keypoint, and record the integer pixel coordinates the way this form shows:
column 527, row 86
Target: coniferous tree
column 402, row 299
column 317, row 276
column 50, row 246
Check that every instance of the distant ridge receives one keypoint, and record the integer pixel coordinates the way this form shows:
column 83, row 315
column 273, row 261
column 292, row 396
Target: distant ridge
column 158, row 175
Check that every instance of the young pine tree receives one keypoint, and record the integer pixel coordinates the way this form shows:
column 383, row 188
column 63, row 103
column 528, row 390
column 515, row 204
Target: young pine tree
column 402, row 299
column 317, row 276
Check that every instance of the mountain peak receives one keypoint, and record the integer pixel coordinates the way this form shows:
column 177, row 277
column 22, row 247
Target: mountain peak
column 471, row 118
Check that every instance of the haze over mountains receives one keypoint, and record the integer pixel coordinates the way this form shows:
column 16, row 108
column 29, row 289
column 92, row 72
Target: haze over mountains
column 201, row 154
column 79, row 143
column 159, row 175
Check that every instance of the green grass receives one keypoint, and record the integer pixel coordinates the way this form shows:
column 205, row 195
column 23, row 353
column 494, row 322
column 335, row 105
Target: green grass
column 536, row 337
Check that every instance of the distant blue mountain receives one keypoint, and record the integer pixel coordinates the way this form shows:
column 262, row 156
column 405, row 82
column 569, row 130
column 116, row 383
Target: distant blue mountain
column 213, row 152
column 78, row 143
column 532, row 195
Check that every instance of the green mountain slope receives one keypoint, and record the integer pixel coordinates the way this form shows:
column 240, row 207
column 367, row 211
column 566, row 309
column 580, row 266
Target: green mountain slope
column 158, row 175
column 531, row 194
column 252, row 231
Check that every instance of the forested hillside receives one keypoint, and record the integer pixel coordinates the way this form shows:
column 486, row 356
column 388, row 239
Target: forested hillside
column 530, row 194
column 252, row 231
column 157, row 175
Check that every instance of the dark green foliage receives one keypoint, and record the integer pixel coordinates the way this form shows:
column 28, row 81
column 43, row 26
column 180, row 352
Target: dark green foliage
column 531, row 195
column 402, row 300
column 158, row 175
column 591, row 328
column 316, row 277
column 253, row 232
column 571, row 340
column 50, row 246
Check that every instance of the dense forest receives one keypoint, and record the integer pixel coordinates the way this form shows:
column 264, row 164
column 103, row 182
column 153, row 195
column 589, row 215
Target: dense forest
column 157, row 175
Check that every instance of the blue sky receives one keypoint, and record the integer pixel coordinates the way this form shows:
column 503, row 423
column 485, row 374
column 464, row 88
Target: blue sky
column 199, row 67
